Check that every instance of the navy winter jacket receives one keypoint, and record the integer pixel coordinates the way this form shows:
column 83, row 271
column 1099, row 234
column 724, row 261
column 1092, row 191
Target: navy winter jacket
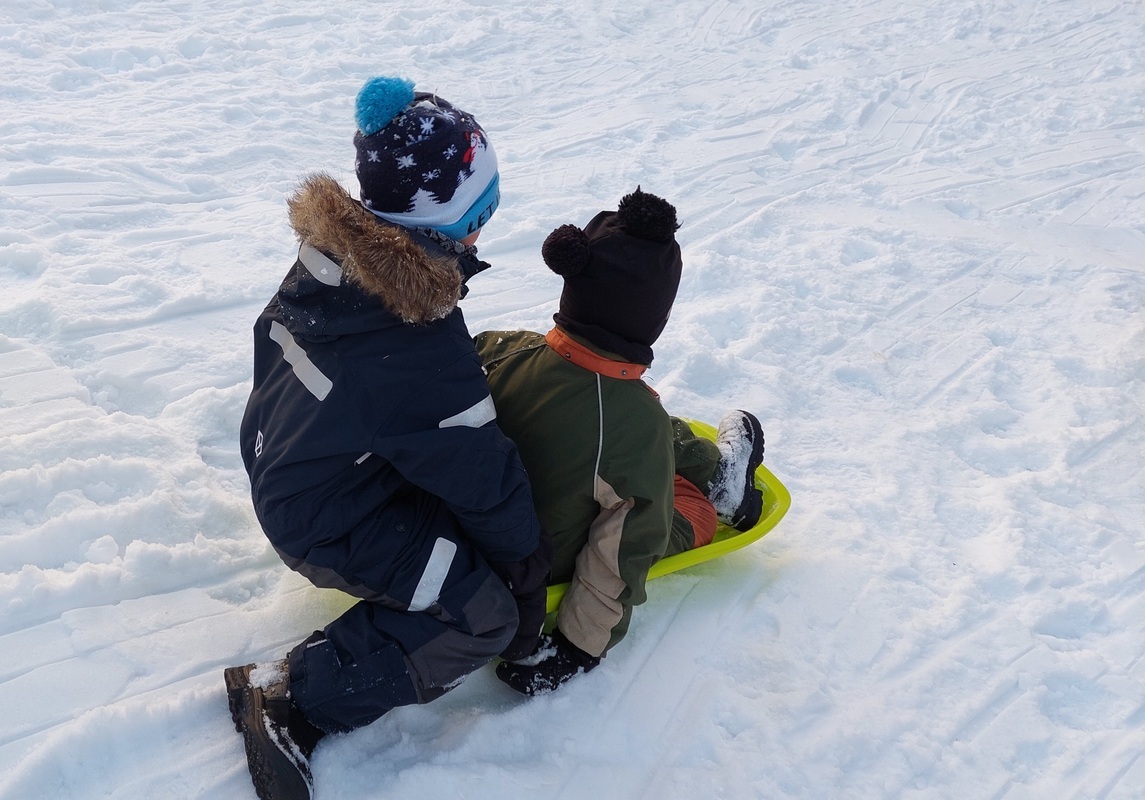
column 370, row 414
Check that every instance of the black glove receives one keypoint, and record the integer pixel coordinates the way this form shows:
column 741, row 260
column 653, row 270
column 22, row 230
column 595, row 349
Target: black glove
column 555, row 662
column 528, row 581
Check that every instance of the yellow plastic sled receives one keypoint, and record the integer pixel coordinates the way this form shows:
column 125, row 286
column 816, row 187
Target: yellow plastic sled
column 776, row 501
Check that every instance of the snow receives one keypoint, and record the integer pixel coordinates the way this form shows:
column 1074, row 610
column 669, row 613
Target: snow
column 914, row 245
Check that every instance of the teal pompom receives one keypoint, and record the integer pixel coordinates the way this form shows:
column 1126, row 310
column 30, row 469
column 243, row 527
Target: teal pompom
column 379, row 101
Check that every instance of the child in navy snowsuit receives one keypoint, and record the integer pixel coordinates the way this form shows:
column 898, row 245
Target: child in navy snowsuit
column 376, row 464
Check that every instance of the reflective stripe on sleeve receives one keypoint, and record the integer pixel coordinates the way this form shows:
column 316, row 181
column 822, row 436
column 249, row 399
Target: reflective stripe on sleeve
column 319, row 265
column 312, row 378
column 473, row 417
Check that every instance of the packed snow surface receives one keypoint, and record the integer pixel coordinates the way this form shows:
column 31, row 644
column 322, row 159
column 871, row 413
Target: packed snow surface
column 914, row 244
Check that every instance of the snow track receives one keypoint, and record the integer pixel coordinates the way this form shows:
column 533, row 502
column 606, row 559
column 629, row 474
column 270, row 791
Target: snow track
column 914, row 246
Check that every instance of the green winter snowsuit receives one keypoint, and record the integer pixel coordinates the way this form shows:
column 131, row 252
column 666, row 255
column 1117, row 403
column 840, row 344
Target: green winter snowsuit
column 599, row 452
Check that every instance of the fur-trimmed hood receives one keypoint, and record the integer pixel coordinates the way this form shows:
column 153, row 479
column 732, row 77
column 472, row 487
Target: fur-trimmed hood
column 384, row 260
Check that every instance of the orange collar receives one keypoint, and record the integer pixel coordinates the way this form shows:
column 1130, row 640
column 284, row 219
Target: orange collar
column 585, row 358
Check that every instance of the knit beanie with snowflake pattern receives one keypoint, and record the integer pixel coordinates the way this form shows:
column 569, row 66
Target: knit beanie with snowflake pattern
column 621, row 274
column 421, row 161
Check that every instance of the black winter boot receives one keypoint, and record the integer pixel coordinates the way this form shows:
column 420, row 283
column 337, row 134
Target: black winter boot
column 279, row 740
column 733, row 491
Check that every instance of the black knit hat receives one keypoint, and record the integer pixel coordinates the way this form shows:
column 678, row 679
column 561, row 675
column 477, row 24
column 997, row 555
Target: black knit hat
column 621, row 275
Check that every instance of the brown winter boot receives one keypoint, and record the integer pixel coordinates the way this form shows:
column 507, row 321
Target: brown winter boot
column 279, row 740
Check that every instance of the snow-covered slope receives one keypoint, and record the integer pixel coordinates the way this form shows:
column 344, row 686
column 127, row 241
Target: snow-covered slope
column 914, row 245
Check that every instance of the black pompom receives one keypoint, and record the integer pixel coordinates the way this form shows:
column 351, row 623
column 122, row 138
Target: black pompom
column 566, row 250
column 647, row 216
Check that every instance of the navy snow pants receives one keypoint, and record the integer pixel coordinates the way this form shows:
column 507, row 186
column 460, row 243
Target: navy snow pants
column 441, row 616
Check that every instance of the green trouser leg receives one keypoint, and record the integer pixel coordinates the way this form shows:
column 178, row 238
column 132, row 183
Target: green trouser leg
column 696, row 459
